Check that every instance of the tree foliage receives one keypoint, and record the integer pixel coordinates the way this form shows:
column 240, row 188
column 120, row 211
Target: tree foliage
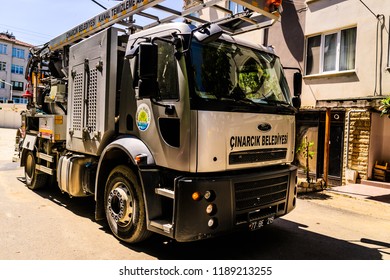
column 305, row 150
column 385, row 107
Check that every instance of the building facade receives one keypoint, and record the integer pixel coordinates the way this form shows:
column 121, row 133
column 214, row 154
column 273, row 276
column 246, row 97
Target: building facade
column 346, row 70
column 342, row 49
column 14, row 55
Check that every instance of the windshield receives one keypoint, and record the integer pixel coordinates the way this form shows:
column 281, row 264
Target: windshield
column 227, row 72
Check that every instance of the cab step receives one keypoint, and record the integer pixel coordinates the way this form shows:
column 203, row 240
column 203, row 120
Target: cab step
column 165, row 192
column 163, row 225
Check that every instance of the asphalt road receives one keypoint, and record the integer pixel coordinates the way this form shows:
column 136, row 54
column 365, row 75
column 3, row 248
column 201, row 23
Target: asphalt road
column 47, row 224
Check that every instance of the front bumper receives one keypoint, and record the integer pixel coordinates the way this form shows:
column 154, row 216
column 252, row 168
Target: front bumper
column 237, row 201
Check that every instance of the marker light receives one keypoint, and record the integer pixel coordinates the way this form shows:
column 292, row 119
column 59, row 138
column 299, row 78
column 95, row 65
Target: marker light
column 196, row 196
column 212, row 223
column 141, row 159
column 272, row 5
column 276, row 3
column 211, row 209
column 209, row 195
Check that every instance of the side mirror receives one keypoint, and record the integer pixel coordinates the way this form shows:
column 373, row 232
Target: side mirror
column 147, row 63
column 297, row 84
column 147, row 70
column 296, row 100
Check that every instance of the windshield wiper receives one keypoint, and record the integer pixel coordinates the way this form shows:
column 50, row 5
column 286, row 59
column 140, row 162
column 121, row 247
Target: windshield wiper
column 238, row 95
column 277, row 103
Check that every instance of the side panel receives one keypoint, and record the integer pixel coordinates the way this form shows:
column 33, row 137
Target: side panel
column 52, row 127
column 92, row 91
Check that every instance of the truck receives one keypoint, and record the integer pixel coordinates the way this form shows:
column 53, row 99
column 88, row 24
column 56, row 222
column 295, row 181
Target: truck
column 178, row 128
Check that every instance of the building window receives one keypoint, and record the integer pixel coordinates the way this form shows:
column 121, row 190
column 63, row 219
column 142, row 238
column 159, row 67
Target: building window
column 16, row 69
column 331, row 52
column 17, row 85
column 235, row 8
column 3, row 66
column 2, row 84
column 16, row 52
column 3, row 49
column 19, row 100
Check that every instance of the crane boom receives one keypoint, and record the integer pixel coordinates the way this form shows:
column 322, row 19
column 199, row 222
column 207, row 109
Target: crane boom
column 128, row 8
column 114, row 15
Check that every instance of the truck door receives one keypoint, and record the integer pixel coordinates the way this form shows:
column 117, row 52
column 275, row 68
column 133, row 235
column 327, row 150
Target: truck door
column 164, row 124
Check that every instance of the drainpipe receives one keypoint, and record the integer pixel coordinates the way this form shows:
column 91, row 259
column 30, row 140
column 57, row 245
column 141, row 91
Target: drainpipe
column 350, row 172
column 326, row 146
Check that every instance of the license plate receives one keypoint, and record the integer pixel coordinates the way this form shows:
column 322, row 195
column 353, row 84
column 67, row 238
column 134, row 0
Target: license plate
column 260, row 223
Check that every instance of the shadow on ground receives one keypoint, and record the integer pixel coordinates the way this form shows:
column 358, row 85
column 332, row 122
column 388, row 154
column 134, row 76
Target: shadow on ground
column 283, row 240
column 381, row 198
column 314, row 196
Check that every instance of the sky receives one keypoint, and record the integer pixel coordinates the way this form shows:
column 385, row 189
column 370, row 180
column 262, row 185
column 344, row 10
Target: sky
column 38, row 21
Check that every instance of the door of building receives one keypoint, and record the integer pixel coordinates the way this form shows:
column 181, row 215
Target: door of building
column 337, row 125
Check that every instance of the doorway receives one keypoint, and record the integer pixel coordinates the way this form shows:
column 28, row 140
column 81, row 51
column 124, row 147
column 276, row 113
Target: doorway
column 311, row 124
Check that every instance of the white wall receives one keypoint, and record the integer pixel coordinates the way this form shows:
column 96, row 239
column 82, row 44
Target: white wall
column 329, row 15
column 379, row 146
column 10, row 115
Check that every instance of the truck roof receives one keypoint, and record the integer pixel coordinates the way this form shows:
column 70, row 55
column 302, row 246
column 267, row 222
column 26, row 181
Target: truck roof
column 184, row 28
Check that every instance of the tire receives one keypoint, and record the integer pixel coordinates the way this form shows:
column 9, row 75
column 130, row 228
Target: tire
column 125, row 206
column 34, row 179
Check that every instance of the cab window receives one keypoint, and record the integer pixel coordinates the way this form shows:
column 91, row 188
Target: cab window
column 167, row 71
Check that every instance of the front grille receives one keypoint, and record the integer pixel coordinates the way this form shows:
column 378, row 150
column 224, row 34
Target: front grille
column 257, row 156
column 259, row 193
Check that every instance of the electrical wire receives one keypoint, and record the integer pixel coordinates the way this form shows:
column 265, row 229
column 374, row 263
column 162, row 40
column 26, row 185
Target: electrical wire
column 25, row 31
column 365, row 5
column 301, row 9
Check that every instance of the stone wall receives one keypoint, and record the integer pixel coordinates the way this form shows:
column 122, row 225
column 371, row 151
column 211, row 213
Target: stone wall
column 359, row 142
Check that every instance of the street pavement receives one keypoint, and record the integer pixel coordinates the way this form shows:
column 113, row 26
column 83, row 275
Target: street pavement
column 364, row 191
column 7, row 148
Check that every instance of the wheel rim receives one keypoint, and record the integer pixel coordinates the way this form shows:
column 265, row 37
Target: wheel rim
column 120, row 205
column 30, row 166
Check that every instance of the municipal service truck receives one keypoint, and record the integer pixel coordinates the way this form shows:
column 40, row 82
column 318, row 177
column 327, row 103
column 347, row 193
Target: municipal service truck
column 177, row 128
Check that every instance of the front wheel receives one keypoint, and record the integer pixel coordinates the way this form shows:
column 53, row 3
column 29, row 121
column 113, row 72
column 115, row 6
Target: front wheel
column 125, row 206
column 34, row 179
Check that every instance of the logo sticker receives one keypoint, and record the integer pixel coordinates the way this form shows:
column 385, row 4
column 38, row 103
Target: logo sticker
column 264, row 127
column 143, row 117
